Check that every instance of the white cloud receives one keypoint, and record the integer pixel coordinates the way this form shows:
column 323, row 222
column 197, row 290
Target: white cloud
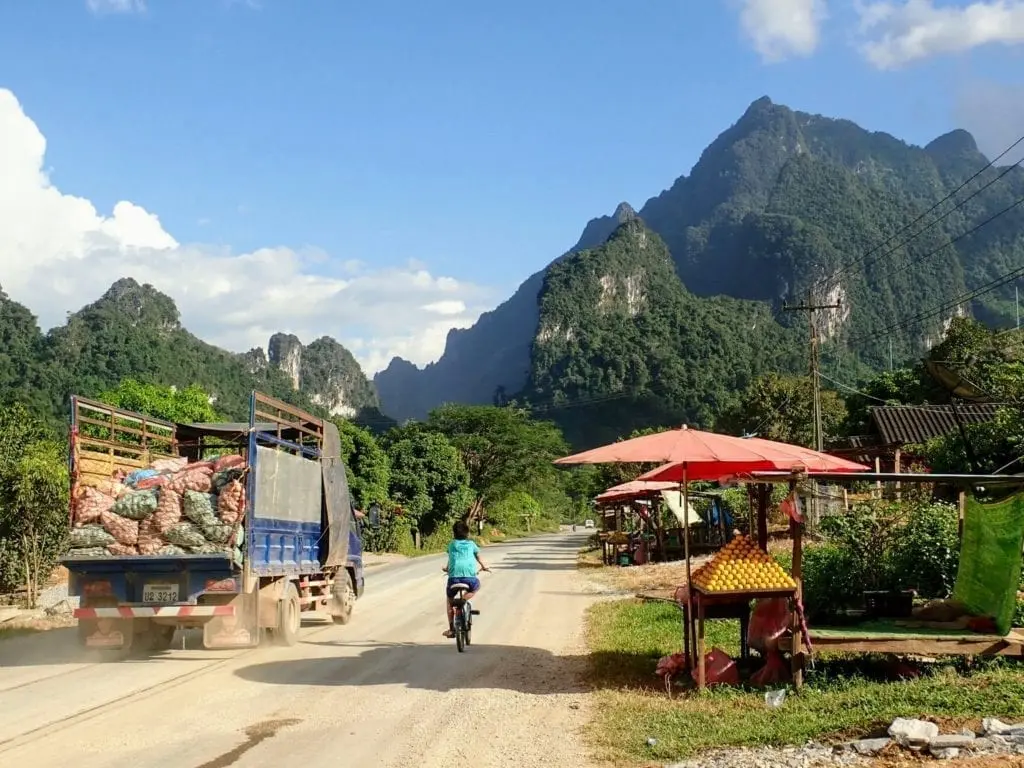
column 782, row 29
column 58, row 253
column 899, row 33
column 116, row 6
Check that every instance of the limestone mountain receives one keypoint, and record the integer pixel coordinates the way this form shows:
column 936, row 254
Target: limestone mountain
column 491, row 357
column 622, row 344
column 134, row 331
column 325, row 372
column 780, row 203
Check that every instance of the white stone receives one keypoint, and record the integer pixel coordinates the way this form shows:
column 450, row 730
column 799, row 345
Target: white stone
column 913, row 733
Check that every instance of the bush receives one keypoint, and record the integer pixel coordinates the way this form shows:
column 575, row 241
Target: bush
column 518, row 511
column 882, row 546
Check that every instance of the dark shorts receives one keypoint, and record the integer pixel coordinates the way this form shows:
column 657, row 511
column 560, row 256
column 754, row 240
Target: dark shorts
column 470, row 581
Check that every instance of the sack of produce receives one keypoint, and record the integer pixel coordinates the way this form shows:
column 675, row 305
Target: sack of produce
column 88, row 552
column 238, row 556
column 207, row 549
column 111, row 486
column 227, row 462
column 773, row 672
column 185, row 535
column 150, row 537
column 221, row 479
column 231, row 502
column 90, row 536
column 169, row 465
column 156, row 481
column 217, row 533
column 191, row 479
column 137, row 505
column 133, row 478
column 168, row 510
column 124, row 530
column 122, row 550
column 90, row 504
column 198, row 507
column 169, row 550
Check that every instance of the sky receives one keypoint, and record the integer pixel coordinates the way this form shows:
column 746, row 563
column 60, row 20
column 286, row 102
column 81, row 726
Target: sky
column 383, row 172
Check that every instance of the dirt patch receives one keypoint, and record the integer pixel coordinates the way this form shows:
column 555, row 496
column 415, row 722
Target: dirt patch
column 18, row 627
column 986, row 761
column 374, row 559
column 657, row 578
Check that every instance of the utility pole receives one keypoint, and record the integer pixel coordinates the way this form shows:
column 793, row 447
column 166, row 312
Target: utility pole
column 811, row 308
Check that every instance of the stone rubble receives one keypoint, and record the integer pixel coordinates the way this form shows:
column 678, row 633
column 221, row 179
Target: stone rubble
column 916, row 736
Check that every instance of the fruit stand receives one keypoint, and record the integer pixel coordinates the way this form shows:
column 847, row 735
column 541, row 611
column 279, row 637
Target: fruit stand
column 724, row 588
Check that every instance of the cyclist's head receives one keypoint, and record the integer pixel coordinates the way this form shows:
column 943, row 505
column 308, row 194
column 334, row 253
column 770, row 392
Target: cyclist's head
column 461, row 530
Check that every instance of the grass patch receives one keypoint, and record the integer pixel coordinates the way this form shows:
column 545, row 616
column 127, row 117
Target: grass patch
column 843, row 698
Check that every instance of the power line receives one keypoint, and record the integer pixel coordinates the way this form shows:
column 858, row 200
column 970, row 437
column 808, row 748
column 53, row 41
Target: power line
column 952, row 303
column 826, row 282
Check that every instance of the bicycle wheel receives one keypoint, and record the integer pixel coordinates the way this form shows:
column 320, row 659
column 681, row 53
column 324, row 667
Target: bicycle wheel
column 460, row 634
column 467, row 622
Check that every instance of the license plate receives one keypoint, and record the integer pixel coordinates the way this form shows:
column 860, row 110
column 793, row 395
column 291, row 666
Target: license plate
column 160, row 593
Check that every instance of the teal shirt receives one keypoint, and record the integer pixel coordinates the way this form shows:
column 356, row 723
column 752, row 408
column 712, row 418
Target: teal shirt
column 462, row 558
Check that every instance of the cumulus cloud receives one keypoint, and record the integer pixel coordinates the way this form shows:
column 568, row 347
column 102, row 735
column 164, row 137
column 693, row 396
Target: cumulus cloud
column 899, row 33
column 57, row 253
column 116, row 6
column 782, row 29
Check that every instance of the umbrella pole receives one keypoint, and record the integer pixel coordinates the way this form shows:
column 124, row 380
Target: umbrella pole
column 689, row 581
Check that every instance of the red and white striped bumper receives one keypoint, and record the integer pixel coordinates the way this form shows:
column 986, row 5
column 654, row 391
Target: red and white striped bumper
column 159, row 612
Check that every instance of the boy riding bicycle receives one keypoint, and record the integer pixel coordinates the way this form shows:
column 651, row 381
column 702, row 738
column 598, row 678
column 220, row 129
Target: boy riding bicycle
column 463, row 558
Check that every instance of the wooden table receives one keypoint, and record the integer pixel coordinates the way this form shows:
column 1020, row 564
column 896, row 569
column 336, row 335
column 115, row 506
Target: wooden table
column 723, row 605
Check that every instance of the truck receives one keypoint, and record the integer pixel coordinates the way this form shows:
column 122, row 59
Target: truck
column 290, row 545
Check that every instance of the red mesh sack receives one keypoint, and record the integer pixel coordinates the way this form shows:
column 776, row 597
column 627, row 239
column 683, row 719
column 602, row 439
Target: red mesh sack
column 168, row 511
column 227, row 462
column 121, row 550
column 157, row 481
column 231, row 502
column 192, row 479
column 773, row 672
column 769, row 621
column 124, row 530
column 719, row 669
column 150, row 539
column 90, row 504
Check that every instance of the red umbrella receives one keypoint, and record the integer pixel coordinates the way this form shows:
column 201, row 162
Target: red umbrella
column 634, row 488
column 782, row 457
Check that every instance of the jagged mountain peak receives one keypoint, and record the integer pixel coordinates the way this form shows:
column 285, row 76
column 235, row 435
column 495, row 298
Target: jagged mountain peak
column 956, row 142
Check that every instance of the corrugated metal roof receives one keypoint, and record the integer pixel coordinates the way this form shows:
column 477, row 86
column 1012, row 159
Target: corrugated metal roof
column 906, row 424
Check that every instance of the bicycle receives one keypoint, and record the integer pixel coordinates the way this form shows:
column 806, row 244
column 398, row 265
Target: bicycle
column 464, row 613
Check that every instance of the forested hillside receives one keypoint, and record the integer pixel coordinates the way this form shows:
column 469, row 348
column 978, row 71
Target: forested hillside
column 134, row 331
column 782, row 205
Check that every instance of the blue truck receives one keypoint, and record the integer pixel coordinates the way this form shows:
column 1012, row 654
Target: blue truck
column 295, row 548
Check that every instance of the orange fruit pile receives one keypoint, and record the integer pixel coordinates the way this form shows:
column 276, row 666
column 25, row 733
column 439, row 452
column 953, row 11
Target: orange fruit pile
column 741, row 566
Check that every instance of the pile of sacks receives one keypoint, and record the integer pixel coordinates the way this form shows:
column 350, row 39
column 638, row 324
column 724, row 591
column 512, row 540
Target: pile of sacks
column 172, row 508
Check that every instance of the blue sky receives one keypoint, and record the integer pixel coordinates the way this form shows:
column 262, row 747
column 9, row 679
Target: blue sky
column 473, row 138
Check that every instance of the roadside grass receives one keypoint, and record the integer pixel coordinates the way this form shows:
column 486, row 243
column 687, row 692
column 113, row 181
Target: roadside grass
column 843, row 698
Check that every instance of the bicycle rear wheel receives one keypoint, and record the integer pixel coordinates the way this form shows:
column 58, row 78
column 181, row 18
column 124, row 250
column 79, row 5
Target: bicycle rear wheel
column 467, row 622
column 460, row 635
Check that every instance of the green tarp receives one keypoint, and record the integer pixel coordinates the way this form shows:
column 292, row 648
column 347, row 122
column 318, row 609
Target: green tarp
column 990, row 558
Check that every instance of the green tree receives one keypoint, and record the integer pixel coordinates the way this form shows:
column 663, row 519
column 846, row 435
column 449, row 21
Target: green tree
column 428, row 479
column 367, row 465
column 780, row 408
column 518, row 511
column 181, row 406
column 34, row 488
column 501, row 448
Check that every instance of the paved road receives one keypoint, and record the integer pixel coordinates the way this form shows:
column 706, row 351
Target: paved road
column 386, row 690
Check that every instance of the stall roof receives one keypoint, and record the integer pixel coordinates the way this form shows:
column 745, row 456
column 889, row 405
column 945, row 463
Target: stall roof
column 910, row 424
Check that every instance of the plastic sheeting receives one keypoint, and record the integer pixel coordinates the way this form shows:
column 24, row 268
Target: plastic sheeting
column 337, row 502
column 287, row 486
column 674, row 501
column 990, row 558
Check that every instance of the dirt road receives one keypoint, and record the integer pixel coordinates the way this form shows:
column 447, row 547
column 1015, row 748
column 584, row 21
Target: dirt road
column 386, row 690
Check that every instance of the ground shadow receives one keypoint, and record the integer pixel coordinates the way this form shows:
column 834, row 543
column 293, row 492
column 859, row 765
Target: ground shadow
column 438, row 667
column 57, row 647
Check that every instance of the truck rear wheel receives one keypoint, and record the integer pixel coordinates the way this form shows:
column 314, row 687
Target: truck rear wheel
column 158, row 637
column 289, row 617
column 344, row 599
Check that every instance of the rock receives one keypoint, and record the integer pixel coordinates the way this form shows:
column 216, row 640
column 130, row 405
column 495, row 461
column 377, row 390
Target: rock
column 984, row 744
column 913, row 734
column 952, row 741
column 992, row 726
column 950, row 753
column 870, row 746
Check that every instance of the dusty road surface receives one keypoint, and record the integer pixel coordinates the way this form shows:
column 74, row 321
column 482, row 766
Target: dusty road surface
column 386, row 690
